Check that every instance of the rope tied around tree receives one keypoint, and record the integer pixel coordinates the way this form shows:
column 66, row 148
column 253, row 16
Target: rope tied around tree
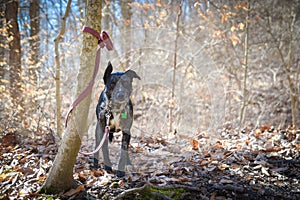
column 103, row 41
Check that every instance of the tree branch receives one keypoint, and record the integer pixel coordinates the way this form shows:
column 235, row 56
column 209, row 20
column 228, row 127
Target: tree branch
column 57, row 76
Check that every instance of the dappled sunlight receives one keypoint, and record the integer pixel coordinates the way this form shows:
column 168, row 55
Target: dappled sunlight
column 215, row 112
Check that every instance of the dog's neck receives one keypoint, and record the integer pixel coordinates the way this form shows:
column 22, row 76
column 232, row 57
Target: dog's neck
column 118, row 110
column 118, row 107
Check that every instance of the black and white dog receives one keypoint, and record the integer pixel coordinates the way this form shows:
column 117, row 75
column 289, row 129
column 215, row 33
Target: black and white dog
column 115, row 102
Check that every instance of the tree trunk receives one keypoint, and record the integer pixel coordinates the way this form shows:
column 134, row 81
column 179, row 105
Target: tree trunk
column 60, row 177
column 246, row 66
column 293, row 91
column 286, row 61
column 57, row 75
column 172, row 101
column 126, row 13
column 3, row 50
column 33, row 56
column 11, row 15
column 34, row 38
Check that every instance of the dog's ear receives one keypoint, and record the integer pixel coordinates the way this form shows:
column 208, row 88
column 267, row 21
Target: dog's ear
column 132, row 74
column 107, row 72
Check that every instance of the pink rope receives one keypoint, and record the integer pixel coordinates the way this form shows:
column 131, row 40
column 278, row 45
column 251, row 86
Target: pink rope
column 103, row 41
column 100, row 145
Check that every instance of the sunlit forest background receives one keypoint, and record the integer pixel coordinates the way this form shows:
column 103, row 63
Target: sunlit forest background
column 216, row 110
column 204, row 65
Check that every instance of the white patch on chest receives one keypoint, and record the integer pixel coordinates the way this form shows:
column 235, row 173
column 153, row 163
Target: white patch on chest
column 116, row 121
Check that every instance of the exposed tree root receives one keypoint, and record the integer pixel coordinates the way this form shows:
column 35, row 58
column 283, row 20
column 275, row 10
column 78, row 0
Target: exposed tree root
column 158, row 192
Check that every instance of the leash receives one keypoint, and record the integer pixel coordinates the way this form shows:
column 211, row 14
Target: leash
column 103, row 41
column 106, row 132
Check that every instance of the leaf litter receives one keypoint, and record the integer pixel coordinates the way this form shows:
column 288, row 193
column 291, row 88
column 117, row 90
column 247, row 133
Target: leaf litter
column 250, row 164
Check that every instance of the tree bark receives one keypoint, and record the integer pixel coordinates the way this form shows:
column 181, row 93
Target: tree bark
column 3, row 50
column 126, row 16
column 60, row 177
column 34, row 38
column 14, row 62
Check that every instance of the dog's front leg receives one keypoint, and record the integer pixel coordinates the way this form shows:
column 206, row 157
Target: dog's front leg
column 99, row 133
column 124, row 157
column 97, row 136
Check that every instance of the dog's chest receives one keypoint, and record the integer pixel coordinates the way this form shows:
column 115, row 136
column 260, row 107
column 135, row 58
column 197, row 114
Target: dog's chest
column 115, row 122
column 119, row 117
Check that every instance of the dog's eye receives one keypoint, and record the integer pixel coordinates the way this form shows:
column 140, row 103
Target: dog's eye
column 112, row 85
column 126, row 84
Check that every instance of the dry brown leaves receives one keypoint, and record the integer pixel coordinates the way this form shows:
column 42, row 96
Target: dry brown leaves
column 252, row 164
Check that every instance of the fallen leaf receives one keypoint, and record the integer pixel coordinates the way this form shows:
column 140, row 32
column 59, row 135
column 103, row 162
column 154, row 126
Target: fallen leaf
column 241, row 26
column 219, row 145
column 210, row 168
column 235, row 166
column 82, row 177
column 195, row 144
column 184, row 179
column 206, row 154
column 224, row 166
column 213, row 196
column 235, row 40
column 273, row 149
column 121, row 184
column 74, row 191
column 257, row 133
column 264, row 170
column 281, row 169
column 248, row 177
column 265, row 127
column 204, row 162
column 97, row 172
column 226, row 181
column 25, row 171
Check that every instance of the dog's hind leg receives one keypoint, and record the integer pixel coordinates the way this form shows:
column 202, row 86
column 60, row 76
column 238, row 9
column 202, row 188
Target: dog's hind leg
column 124, row 157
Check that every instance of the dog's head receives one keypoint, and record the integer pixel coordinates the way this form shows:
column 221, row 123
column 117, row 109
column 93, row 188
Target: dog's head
column 118, row 85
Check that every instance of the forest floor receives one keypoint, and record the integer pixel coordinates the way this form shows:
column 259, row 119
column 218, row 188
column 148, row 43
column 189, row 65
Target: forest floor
column 263, row 163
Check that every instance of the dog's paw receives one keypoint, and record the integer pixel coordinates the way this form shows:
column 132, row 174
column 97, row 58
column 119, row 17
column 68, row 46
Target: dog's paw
column 95, row 163
column 120, row 174
column 108, row 169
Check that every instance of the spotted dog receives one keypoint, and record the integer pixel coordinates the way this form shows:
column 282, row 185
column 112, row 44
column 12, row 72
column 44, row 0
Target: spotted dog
column 115, row 109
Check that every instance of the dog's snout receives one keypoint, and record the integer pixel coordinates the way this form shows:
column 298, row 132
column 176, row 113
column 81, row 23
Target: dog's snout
column 121, row 96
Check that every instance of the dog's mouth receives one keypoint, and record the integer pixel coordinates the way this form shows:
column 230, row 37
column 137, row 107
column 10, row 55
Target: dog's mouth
column 118, row 104
column 119, row 98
